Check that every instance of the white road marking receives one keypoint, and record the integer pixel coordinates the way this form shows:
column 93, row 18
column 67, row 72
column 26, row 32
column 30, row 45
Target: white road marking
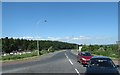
column 77, row 71
column 66, row 56
column 70, row 62
column 69, row 59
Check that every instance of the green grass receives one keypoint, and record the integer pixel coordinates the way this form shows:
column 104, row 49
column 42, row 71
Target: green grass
column 15, row 57
column 106, row 53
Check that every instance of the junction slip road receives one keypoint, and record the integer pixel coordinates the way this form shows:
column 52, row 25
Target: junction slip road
column 58, row 62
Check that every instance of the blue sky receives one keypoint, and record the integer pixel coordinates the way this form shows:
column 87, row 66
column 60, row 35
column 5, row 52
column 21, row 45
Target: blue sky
column 76, row 22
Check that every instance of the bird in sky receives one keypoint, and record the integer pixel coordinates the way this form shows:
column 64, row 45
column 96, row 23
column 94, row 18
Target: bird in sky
column 45, row 20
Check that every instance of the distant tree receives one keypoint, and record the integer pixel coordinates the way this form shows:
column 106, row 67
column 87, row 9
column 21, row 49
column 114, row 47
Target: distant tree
column 10, row 44
column 85, row 48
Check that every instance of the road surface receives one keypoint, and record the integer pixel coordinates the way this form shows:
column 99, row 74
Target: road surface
column 57, row 62
column 60, row 62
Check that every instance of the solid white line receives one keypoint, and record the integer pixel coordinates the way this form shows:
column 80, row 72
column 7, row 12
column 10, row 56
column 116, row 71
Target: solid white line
column 77, row 71
column 70, row 62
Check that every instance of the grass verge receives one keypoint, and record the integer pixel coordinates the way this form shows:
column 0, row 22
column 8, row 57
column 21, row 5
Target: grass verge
column 24, row 56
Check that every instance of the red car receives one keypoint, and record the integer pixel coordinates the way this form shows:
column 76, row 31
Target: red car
column 84, row 57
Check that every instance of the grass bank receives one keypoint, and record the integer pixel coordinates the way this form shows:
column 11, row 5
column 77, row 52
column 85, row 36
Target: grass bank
column 112, row 55
column 22, row 56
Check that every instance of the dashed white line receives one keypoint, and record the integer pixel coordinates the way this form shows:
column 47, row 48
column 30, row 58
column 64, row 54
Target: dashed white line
column 66, row 56
column 70, row 62
column 69, row 59
column 77, row 71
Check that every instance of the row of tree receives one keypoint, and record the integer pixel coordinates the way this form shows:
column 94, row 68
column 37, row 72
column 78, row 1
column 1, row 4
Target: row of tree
column 105, row 50
column 100, row 47
column 10, row 45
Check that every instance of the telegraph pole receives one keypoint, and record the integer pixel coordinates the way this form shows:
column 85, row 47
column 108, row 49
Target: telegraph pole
column 38, row 40
column 38, row 46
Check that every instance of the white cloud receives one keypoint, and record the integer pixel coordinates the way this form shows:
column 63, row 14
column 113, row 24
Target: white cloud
column 50, row 37
column 28, row 38
column 75, row 38
column 80, row 38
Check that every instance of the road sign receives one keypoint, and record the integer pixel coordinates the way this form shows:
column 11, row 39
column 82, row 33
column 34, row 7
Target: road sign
column 80, row 47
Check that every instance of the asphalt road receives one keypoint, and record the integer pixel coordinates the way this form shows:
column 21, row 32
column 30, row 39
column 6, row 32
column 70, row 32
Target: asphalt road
column 58, row 62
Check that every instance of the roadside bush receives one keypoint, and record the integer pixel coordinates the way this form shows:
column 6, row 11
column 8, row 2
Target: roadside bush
column 52, row 50
column 106, row 53
column 43, row 52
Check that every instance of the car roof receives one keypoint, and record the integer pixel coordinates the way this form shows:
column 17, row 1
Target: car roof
column 97, row 57
column 84, row 52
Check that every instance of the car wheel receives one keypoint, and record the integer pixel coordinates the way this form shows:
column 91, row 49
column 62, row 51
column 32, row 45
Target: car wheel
column 78, row 61
column 84, row 65
column 81, row 63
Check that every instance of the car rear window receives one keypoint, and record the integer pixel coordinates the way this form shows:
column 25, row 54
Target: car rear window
column 102, row 63
column 86, row 54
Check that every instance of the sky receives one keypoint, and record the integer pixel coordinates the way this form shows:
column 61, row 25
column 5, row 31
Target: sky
column 74, row 22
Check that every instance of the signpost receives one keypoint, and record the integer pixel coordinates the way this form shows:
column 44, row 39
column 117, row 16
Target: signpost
column 79, row 48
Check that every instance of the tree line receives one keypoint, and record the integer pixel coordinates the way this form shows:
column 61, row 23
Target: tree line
column 105, row 50
column 10, row 45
